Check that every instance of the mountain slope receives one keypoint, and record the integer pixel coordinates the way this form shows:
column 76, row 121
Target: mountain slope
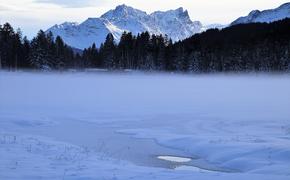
column 174, row 23
column 93, row 30
column 267, row 16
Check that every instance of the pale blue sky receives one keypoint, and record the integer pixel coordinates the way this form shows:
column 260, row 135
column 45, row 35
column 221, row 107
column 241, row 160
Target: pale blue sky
column 32, row 15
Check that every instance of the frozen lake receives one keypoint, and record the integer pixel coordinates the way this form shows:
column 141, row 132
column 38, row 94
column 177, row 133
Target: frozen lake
column 144, row 126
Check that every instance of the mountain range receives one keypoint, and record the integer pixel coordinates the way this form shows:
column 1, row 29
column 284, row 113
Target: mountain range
column 176, row 24
column 267, row 16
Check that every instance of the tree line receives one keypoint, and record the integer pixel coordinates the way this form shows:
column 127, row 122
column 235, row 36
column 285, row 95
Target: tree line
column 245, row 47
column 42, row 52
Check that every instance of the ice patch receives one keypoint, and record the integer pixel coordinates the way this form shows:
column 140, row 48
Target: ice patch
column 175, row 159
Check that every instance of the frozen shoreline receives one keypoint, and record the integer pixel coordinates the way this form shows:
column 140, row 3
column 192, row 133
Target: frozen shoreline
column 82, row 126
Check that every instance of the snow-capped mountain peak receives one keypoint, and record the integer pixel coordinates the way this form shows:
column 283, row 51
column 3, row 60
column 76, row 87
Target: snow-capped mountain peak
column 174, row 23
column 123, row 11
column 267, row 16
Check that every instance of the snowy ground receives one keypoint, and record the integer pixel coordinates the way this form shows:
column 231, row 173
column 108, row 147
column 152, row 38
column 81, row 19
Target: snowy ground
column 115, row 126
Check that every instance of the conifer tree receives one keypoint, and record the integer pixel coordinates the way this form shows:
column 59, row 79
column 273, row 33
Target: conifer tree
column 108, row 52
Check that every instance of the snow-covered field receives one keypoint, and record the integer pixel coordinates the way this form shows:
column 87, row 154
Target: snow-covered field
column 135, row 126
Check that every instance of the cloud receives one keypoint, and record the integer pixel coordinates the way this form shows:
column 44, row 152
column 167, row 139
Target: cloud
column 75, row 3
column 4, row 8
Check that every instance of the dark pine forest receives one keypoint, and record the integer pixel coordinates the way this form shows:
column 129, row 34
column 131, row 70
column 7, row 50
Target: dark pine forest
column 258, row 47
